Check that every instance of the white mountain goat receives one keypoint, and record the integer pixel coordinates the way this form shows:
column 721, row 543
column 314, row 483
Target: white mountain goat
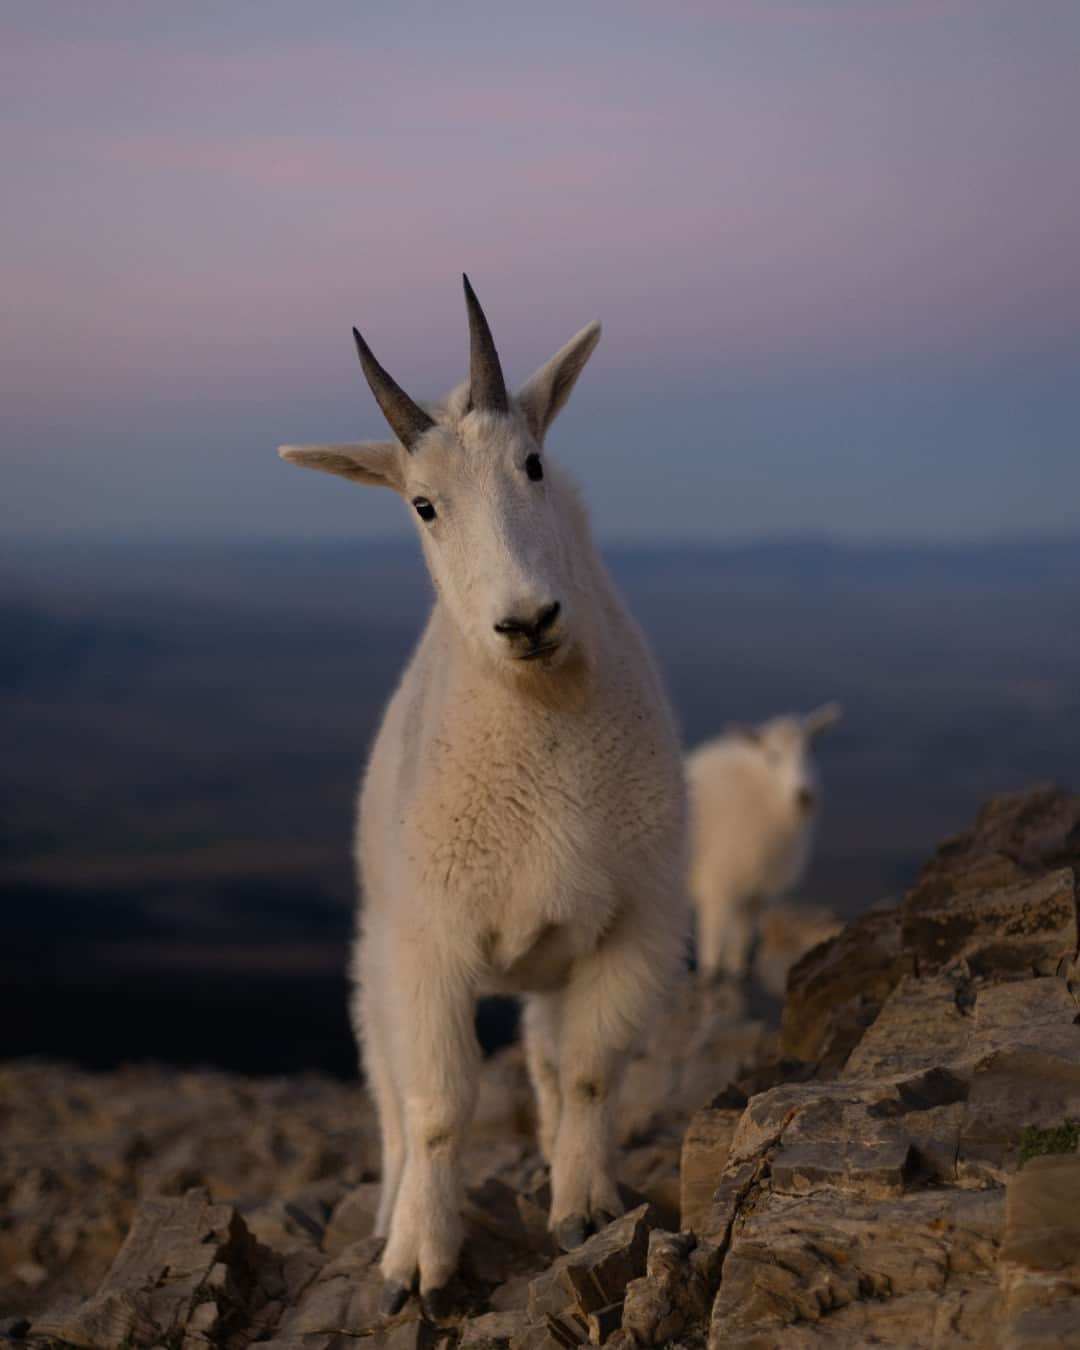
column 522, row 819
column 753, row 807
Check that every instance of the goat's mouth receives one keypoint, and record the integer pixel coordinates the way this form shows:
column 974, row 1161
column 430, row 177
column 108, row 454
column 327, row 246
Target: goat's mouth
column 540, row 652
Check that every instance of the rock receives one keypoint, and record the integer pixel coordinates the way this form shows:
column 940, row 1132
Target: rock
column 801, row 1260
column 513, row 1295
column 342, row 1297
column 921, row 1026
column 491, row 1331
column 673, row 1293
column 871, row 1188
column 873, row 1170
column 604, row 1322
column 1035, row 831
column 353, row 1218
column 704, row 1156
column 179, row 1256
column 652, row 1171
column 1039, row 1271
column 404, row 1335
column 597, row 1273
column 834, row 992
column 1028, row 926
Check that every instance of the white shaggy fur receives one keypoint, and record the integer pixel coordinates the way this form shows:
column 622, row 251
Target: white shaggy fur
column 753, row 807
column 521, row 825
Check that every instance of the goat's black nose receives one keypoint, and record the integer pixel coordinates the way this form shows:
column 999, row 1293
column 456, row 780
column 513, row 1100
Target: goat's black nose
column 805, row 798
column 533, row 629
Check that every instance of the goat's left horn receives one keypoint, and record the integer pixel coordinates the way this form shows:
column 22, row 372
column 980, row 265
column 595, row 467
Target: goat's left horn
column 487, row 388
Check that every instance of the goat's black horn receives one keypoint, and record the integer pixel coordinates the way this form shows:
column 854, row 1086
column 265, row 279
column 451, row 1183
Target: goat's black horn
column 408, row 421
column 487, row 388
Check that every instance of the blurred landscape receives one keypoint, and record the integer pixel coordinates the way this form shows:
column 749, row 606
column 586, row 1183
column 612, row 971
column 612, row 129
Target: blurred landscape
column 184, row 726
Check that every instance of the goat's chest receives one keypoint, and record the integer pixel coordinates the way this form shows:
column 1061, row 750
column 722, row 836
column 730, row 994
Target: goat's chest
column 531, row 816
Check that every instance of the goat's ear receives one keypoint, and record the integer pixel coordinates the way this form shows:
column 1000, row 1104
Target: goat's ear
column 545, row 394
column 821, row 719
column 373, row 462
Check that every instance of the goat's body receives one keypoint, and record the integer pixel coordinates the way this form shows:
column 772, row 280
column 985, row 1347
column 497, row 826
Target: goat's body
column 518, row 835
column 522, row 820
column 748, row 846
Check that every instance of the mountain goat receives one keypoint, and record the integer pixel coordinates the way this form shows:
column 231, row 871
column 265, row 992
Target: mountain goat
column 753, row 803
column 522, row 818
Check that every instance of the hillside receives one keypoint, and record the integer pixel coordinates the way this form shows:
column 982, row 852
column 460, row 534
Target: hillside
column 897, row 1166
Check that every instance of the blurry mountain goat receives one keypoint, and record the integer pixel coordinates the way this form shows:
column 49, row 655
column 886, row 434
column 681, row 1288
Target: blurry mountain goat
column 522, row 819
column 753, row 807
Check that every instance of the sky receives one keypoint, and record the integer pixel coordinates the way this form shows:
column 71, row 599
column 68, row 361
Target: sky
column 835, row 245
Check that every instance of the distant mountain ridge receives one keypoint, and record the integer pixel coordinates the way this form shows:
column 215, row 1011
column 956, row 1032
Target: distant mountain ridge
column 183, row 728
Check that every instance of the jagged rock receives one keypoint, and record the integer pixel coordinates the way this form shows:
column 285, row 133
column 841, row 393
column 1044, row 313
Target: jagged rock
column 835, row 991
column 1040, row 1257
column 705, row 1149
column 179, row 1256
column 852, row 1194
column 341, row 1296
column 1036, row 831
column 921, row 1026
column 597, row 1273
column 353, row 1218
column 1028, row 926
column 404, row 1335
column 673, row 1293
column 652, row 1171
column 491, row 1331
column 802, row 1260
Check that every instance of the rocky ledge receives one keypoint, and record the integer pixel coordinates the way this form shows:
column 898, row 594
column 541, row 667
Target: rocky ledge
column 898, row 1166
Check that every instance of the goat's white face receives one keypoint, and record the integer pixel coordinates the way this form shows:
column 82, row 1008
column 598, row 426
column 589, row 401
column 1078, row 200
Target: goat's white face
column 786, row 745
column 497, row 520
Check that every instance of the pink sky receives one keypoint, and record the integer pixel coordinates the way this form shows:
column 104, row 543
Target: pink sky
column 201, row 203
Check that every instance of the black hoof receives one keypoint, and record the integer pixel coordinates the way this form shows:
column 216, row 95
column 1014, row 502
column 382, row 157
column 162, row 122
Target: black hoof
column 394, row 1298
column 437, row 1303
column 571, row 1232
column 601, row 1219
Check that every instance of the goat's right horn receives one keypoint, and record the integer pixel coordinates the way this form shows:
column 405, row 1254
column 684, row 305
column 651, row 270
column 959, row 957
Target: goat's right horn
column 408, row 421
column 487, row 388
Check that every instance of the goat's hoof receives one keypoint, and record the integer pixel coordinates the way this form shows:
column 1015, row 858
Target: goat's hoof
column 571, row 1232
column 394, row 1297
column 601, row 1219
column 437, row 1304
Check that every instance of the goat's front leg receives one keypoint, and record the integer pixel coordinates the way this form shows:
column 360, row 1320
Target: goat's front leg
column 438, row 1066
column 606, row 1005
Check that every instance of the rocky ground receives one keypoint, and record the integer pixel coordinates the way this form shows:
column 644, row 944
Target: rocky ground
column 897, row 1166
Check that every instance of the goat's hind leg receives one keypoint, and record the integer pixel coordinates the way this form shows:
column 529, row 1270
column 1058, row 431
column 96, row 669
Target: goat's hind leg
column 540, row 1028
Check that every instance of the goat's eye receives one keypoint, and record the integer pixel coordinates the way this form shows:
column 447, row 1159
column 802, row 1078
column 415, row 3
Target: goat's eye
column 424, row 508
column 534, row 468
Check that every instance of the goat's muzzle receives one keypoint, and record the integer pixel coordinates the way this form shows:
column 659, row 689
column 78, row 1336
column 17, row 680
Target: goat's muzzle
column 805, row 799
column 531, row 638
